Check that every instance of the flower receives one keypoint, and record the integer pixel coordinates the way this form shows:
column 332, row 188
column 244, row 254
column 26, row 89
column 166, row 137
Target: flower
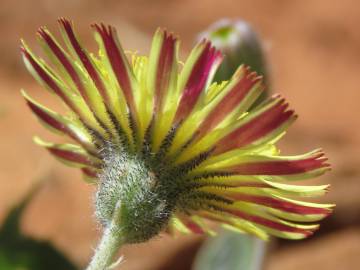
column 168, row 145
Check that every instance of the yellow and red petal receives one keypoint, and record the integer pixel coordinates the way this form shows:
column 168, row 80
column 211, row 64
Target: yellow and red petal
column 162, row 81
column 83, row 56
column 120, row 66
column 51, row 81
column 275, row 166
column 252, row 130
column 90, row 174
column 242, row 83
column 62, row 62
column 198, row 71
column 256, row 128
column 60, row 124
column 163, row 63
column 233, row 223
column 279, row 203
column 71, row 154
column 47, row 78
column 270, row 224
column 191, row 224
column 75, row 78
column 297, row 167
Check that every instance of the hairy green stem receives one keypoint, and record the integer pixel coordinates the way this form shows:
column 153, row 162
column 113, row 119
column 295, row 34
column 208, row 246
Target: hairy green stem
column 109, row 245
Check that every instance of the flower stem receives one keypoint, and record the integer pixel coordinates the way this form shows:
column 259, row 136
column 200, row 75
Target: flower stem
column 109, row 245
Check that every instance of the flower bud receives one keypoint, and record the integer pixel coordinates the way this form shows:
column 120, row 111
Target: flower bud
column 240, row 44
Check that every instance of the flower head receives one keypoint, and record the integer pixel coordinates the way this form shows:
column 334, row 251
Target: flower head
column 167, row 145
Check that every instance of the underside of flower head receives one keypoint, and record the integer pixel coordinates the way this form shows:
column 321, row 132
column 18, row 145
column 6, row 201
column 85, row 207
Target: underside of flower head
column 153, row 130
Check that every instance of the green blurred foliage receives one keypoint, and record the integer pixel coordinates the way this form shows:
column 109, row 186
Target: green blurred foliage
column 231, row 251
column 20, row 252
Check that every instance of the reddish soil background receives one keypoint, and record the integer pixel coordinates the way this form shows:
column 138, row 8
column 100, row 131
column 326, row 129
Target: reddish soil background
column 314, row 53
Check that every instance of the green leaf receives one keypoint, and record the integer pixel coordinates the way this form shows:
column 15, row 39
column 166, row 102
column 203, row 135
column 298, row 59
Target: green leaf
column 231, row 251
column 19, row 252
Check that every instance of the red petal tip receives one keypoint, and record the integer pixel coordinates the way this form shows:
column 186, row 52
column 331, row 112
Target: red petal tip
column 63, row 20
column 23, row 50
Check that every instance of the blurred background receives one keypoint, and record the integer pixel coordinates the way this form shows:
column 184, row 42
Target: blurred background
column 313, row 50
